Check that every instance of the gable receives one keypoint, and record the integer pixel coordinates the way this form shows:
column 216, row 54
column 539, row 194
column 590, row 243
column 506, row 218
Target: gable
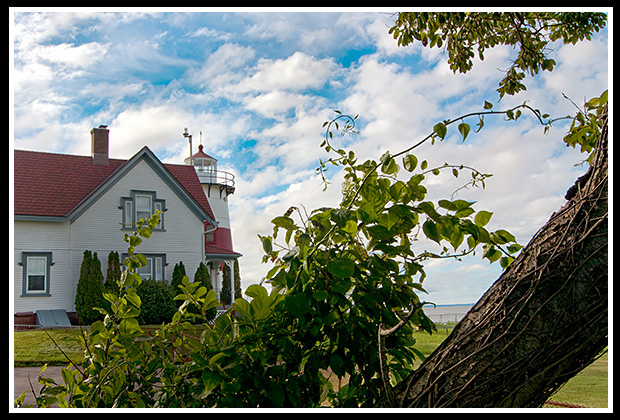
column 57, row 186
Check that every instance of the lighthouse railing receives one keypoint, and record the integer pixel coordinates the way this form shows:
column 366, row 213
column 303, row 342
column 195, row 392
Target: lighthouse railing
column 216, row 177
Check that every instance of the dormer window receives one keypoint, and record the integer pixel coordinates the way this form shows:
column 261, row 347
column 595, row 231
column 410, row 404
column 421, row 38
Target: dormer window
column 141, row 205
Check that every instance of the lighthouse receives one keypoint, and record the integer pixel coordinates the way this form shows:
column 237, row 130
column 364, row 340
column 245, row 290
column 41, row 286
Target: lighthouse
column 218, row 245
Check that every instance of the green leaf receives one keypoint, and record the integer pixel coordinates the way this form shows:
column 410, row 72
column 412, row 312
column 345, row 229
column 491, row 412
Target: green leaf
column 130, row 326
column 267, row 246
column 505, row 261
column 465, row 212
column 337, row 365
column 389, row 165
column 320, row 295
column 260, row 307
column 514, row 248
column 410, row 162
column 430, row 230
column 134, row 241
column 502, row 236
column 464, row 129
column 145, row 233
column 350, row 227
column 210, row 380
column 492, row 254
column 462, row 204
column 398, row 190
column 379, row 232
column 341, row 267
column 447, row 204
column 133, row 297
column 243, row 307
column 284, row 222
column 441, row 130
column 141, row 260
column 488, row 105
column 276, row 394
column 297, row 304
column 482, row 218
column 256, row 291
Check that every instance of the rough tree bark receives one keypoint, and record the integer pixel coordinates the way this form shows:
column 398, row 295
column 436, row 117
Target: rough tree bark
column 540, row 323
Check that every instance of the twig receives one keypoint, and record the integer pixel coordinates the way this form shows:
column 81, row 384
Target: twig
column 381, row 334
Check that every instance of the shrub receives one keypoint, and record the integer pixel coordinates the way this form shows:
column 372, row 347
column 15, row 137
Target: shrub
column 89, row 293
column 202, row 276
column 177, row 277
column 114, row 270
column 225, row 293
column 157, row 302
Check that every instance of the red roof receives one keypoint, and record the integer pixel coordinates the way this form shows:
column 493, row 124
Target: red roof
column 201, row 154
column 219, row 251
column 52, row 184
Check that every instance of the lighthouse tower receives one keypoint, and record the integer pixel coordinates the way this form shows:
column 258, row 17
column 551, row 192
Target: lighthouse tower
column 217, row 186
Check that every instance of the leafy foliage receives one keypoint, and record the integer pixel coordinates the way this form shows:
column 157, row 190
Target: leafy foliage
column 586, row 127
column 532, row 32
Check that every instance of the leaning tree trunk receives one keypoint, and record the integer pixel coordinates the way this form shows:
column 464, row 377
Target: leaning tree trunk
column 539, row 324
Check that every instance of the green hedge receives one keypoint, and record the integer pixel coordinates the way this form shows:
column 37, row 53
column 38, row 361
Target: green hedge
column 158, row 303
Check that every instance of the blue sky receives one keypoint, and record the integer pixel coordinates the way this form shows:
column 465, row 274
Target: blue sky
column 259, row 86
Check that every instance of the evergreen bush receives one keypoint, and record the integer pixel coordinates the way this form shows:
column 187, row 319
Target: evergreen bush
column 89, row 293
column 113, row 273
column 178, row 272
column 202, row 276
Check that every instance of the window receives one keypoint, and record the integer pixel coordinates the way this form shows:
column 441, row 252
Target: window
column 154, row 268
column 209, row 233
column 36, row 277
column 141, row 205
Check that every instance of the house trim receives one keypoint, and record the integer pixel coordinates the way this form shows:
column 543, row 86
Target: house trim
column 32, row 218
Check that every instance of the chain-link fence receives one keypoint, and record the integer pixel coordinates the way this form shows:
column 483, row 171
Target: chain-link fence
column 35, row 345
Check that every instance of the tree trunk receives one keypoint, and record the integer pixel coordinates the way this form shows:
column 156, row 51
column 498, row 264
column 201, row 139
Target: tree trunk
column 539, row 324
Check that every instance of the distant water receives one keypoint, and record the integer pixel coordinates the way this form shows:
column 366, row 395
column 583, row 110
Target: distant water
column 447, row 313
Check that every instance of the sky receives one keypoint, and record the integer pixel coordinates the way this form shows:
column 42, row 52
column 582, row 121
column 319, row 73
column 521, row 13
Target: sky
column 255, row 87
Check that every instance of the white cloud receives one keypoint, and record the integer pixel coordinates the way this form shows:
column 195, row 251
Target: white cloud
column 297, row 72
column 222, row 66
column 274, row 103
column 68, row 55
column 211, row 34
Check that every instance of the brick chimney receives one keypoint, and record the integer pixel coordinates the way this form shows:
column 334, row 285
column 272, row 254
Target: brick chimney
column 99, row 144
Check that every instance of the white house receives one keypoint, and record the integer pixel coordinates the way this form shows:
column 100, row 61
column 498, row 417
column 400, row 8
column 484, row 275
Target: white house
column 65, row 204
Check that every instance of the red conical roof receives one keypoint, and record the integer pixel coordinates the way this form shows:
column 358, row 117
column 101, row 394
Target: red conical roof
column 201, row 154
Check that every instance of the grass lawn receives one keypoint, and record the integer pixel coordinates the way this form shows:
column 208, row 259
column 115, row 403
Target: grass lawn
column 588, row 388
column 36, row 347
